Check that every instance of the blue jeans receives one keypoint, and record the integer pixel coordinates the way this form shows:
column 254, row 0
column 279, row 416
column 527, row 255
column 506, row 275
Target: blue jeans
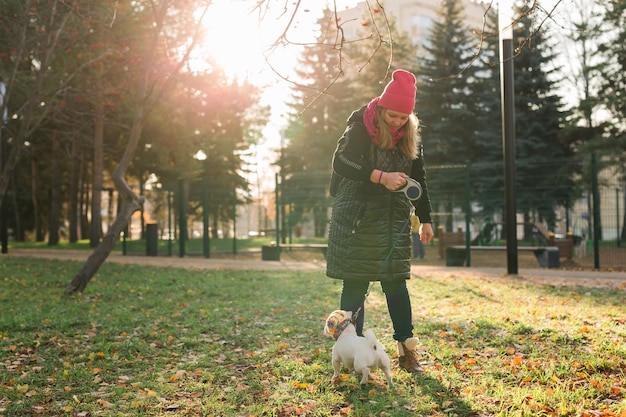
column 418, row 247
column 398, row 304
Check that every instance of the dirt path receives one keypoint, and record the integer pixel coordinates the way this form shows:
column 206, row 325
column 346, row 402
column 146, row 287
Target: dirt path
column 526, row 271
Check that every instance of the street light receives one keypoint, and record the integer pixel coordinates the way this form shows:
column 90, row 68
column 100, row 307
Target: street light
column 507, row 92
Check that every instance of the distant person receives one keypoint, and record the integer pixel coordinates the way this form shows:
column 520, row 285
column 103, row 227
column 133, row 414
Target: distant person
column 419, row 251
column 370, row 230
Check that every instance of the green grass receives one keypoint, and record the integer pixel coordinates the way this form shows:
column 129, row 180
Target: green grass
column 147, row 341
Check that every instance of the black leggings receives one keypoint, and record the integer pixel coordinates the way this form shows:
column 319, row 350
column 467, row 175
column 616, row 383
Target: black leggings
column 398, row 304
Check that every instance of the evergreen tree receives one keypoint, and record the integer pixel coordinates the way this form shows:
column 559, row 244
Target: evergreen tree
column 381, row 49
column 487, row 168
column 445, row 102
column 542, row 184
column 322, row 105
column 318, row 119
column 543, row 181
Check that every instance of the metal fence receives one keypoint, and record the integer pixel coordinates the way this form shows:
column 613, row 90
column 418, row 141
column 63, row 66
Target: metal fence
column 592, row 221
column 583, row 212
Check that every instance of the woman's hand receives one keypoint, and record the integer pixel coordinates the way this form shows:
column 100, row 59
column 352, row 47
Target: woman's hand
column 426, row 232
column 393, row 180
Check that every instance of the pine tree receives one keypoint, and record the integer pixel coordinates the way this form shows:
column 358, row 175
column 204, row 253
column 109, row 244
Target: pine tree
column 381, row 49
column 445, row 101
column 543, row 180
column 319, row 115
column 487, row 169
column 542, row 184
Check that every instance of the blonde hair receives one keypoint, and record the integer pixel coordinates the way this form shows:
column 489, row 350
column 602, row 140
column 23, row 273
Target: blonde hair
column 409, row 143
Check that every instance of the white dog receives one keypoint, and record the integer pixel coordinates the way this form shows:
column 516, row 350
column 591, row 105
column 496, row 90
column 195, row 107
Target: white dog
column 361, row 354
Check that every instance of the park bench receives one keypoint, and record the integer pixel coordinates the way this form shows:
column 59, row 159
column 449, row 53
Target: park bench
column 547, row 256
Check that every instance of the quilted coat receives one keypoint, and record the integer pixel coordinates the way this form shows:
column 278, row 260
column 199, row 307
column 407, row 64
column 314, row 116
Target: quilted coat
column 370, row 231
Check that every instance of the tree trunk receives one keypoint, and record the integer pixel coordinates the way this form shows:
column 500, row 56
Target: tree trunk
column 55, row 196
column 98, row 166
column 84, row 201
column 19, row 230
column 73, row 211
column 622, row 236
column 145, row 100
column 34, row 190
column 134, row 203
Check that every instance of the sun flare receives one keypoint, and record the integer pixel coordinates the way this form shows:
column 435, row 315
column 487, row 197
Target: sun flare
column 236, row 40
column 232, row 39
column 254, row 39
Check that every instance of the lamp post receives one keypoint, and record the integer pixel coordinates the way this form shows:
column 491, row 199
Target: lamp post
column 507, row 92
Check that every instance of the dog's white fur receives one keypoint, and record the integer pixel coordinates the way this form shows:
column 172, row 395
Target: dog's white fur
column 361, row 354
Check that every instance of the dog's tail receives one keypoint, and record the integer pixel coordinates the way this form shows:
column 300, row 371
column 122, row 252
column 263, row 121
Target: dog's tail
column 369, row 335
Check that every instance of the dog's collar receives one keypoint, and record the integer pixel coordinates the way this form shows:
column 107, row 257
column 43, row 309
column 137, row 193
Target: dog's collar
column 341, row 326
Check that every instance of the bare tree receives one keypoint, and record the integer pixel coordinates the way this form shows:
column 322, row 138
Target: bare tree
column 150, row 90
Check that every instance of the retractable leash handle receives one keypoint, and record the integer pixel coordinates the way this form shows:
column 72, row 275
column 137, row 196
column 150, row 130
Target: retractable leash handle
column 412, row 189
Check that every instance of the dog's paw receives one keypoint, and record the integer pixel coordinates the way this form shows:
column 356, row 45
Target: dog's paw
column 335, row 379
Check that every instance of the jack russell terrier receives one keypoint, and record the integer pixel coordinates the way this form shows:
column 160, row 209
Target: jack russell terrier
column 358, row 353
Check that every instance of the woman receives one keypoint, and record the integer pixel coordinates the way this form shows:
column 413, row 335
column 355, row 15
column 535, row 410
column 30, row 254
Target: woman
column 370, row 231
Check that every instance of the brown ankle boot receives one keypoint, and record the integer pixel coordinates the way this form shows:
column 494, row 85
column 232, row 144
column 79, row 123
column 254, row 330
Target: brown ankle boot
column 407, row 357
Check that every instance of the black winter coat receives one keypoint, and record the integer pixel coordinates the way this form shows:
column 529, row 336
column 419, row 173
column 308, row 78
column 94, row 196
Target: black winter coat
column 370, row 231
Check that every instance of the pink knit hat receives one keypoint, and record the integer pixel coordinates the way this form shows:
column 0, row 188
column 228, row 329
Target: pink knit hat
column 399, row 94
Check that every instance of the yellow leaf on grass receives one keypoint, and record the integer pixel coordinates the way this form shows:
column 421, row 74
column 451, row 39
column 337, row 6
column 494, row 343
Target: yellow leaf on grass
column 104, row 403
column 517, row 360
column 596, row 384
column 179, row 374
